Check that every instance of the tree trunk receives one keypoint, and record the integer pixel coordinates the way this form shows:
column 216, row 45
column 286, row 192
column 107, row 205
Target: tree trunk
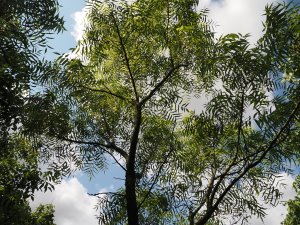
column 132, row 209
column 130, row 178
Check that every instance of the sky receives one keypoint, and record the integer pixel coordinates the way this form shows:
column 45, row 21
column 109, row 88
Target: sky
column 72, row 203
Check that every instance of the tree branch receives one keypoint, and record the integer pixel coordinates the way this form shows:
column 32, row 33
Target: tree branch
column 233, row 163
column 209, row 212
column 110, row 146
column 106, row 193
column 162, row 82
column 126, row 59
column 240, row 122
column 103, row 91
column 117, row 161
column 156, row 177
column 205, row 199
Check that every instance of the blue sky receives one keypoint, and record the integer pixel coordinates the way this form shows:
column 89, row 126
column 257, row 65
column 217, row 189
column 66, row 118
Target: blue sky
column 73, row 205
column 62, row 42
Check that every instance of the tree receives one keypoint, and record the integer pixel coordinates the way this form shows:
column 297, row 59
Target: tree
column 21, row 213
column 43, row 215
column 125, row 97
column 142, row 65
column 20, row 177
column 23, row 35
column 245, row 138
column 292, row 217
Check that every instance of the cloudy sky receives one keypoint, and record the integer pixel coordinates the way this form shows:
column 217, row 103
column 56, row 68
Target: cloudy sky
column 72, row 203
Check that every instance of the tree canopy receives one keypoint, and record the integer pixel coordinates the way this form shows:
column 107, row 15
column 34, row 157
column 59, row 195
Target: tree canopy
column 126, row 94
column 24, row 29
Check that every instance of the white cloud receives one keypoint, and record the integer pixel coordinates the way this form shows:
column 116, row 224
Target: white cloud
column 237, row 16
column 230, row 16
column 73, row 206
column 78, row 28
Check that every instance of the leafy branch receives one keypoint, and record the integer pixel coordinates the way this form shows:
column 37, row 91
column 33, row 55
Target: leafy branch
column 211, row 210
column 126, row 58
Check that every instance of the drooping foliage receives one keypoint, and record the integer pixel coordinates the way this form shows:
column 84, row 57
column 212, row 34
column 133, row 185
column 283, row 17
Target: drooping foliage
column 125, row 97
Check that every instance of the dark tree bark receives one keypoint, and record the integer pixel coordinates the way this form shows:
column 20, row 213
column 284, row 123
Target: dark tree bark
column 130, row 179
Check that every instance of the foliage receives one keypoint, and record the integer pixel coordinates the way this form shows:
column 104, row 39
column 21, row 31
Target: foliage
column 293, row 215
column 125, row 97
column 20, row 177
column 15, row 206
column 25, row 26
column 43, row 215
column 236, row 148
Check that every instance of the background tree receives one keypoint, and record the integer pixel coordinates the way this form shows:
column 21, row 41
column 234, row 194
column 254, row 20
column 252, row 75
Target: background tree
column 125, row 97
column 293, row 215
column 43, row 215
column 25, row 26
column 21, row 213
